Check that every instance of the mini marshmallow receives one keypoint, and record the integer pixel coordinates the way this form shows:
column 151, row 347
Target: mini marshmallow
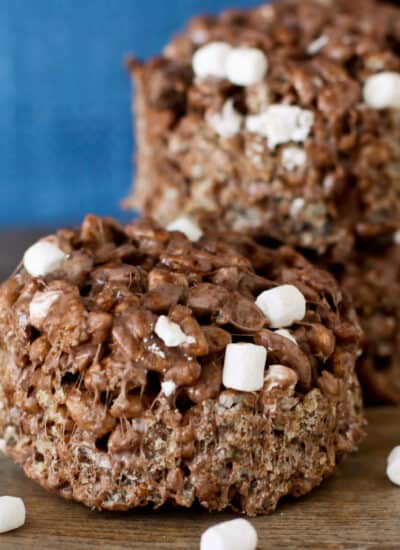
column 396, row 237
column 282, row 305
column 3, row 445
column 293, row 158
column 210, row 60
column 279, row 376
column 393, row 466
column 171, row 333
column 246, row 66
column 237, row 534
column 12, row 513
column 316, row 45
column 43, row 258
column 10, row 435
column 228, row 122
column 186, row 226
column 382, row 90
column 41, row 305
column 281, row 124
column 394, row 454
column 286, row 334
column 168, row 387
column 244, row 366
column 296, row 206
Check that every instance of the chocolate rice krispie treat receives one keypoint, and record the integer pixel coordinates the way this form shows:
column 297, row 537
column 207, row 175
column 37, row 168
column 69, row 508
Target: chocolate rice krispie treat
column 283, row 120
column 372, row 277
column 141, row 366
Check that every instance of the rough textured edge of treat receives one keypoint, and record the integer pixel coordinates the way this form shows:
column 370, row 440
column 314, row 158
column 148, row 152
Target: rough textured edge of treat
column 261, row 445
column 303, row 447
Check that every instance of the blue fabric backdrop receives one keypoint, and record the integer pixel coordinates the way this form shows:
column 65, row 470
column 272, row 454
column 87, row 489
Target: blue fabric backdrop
column 65, row 128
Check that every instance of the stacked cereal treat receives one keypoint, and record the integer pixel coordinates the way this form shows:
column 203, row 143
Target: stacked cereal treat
column 143, row 366
column 373, row 279
column 283, row 122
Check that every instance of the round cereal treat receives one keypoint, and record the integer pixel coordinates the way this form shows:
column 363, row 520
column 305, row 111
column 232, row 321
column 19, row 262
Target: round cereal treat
column 372, row 276
column 293, row 135
column 139, row 369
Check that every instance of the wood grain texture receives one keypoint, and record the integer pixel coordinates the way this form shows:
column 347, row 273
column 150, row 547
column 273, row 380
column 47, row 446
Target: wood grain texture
column 357, row 509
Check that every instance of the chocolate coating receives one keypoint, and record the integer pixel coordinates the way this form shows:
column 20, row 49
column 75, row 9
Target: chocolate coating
column 82, row 407
column 349, row 185
column 372, row 276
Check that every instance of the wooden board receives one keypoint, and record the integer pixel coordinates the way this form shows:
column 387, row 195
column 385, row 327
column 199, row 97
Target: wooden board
column 356, row 509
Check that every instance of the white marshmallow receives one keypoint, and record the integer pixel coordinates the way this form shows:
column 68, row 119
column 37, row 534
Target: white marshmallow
column 279, row 376
column 12, row 513
column 286, row 334
column 393, row 466
column 281, row 124
column 40, row 306
column 168, row 387
column 246, row 66
column 396, row 237
column 186, row 226
column 283, row 305
column 244, row 367
column 103, row 462
column 210, row 60
column 171, row 333
column 293, row 158
column 42, row 258
column 296, row 207
column 227, row 123
column 10, row 435
column 394, row 454
column 237, row 534
column 316, row 45
column 382, row 90
column 3, row 445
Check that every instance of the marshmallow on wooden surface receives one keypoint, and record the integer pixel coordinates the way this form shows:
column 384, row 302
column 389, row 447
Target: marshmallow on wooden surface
column 246, row 66
column 237, row 534
column 187, row 226
column 280, row 376
column 171, row 333
column 382, row 90
column 393, row 466
column 244, row 366
column 286, row 334
column 210, row 60
column 394, row 454
column 43, row 258
column 12, row 513
column 282, row 305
